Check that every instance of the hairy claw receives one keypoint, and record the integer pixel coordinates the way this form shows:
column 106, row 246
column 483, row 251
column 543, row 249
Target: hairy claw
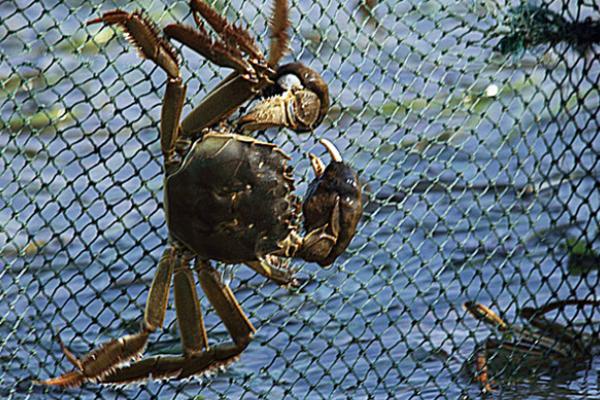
column 143, row 34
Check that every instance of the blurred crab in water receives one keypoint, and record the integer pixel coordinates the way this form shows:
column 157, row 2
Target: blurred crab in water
column 228, row 197
column 524, row 350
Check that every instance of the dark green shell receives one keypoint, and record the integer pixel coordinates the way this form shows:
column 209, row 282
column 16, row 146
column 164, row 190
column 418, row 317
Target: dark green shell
column 232, row 198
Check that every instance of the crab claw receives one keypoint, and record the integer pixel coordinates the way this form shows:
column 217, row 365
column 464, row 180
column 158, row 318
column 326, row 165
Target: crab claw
column 332, row 208
column 299, row 100
column 318, row 166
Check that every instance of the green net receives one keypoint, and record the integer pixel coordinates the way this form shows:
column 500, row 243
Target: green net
column 473, row 125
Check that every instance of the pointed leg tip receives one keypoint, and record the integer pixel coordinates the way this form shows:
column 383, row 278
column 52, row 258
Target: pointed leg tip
column 68, row 380
column 110, row 17
column 94, row 21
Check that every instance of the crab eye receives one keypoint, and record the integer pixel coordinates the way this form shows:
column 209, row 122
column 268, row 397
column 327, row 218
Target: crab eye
column 289, row 81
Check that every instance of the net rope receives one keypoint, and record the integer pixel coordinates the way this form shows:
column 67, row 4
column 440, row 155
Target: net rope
column 473, row 125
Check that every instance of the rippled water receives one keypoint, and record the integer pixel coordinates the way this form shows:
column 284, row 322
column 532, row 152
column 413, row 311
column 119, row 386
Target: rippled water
column 469, row 198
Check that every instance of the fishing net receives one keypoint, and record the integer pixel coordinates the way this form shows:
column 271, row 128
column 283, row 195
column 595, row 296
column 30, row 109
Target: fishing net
column 473, row 126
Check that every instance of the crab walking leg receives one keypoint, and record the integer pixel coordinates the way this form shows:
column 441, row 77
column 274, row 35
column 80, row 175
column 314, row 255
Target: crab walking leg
column 221, row 102
column 100, row 362
column 217, row 52
column 229, row 95
column 171, row 114
column 191, row 363
column 144, row 36
column 242, row 85
column 222, row 299
column 481, row 370
column 158, row 297
column 189, row 315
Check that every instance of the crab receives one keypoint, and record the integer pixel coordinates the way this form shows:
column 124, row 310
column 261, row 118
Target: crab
column 543, row 345
column 227, row 196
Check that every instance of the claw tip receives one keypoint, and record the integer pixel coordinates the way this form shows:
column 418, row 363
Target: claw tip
column 331, row 149
column 94, row 21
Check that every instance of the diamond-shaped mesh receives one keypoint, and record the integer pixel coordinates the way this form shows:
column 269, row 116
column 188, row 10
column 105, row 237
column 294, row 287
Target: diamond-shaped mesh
column 480, row 179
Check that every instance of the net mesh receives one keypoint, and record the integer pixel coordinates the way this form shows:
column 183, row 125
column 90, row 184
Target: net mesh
column 471, row 123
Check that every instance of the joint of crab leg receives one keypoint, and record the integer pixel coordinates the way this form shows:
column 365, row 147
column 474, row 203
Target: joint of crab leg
column 145, row 37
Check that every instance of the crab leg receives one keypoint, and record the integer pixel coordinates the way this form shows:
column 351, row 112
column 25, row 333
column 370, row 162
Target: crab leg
column 189, row 314
column 481, row 372
column 216, row 52
column 278, row 25
column 196, row 363
column 237, row 88
column 170, row 115
column 144, row 36
column 250, row 77
column 100, row 362
column 225, row 304
column 221, row 102
column 227, row 96
column 231, row 34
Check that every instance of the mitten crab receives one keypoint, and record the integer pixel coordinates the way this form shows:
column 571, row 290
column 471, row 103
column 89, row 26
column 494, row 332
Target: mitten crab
column 541, row 345
column 228, row 197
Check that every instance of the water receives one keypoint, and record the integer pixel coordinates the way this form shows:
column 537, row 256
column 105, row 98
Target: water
column 470, row 198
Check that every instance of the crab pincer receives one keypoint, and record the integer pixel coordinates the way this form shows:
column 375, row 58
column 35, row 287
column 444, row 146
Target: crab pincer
column 333, row 203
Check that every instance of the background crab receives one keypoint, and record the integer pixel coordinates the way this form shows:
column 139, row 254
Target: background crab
column 228, row 197
column 542, row 345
